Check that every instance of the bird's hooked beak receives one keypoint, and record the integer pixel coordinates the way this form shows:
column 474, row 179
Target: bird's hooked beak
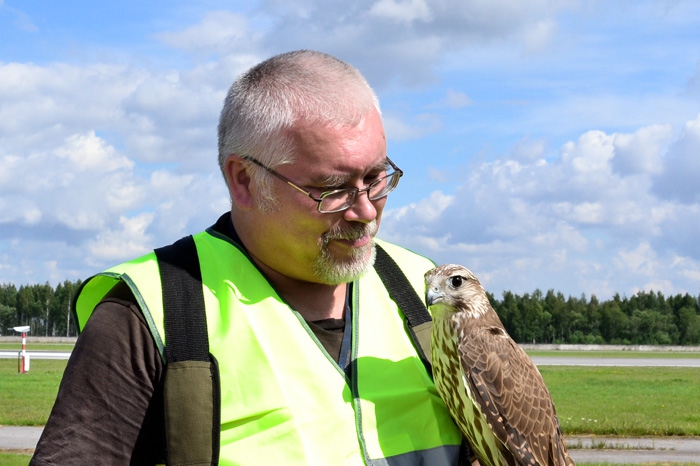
column 433, row 295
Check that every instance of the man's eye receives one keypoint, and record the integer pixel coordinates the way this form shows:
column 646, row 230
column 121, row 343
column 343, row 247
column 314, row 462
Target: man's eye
column 326, row 189
column 369, row 179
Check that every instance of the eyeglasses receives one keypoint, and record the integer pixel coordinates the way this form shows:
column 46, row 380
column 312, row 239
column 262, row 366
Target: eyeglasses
column 338, row 200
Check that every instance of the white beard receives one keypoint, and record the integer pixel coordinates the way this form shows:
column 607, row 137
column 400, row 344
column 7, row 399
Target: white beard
column 330, row 271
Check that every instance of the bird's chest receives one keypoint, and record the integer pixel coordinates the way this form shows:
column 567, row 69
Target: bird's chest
column 454, row 388
column 450, row 378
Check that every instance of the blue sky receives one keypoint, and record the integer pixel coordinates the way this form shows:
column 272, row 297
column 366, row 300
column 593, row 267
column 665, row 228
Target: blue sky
column 549, row 144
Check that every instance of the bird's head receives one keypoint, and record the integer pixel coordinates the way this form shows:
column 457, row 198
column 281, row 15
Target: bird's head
column 453, row 288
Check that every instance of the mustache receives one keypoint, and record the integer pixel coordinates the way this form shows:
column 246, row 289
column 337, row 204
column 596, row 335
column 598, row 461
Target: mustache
column 352, row 233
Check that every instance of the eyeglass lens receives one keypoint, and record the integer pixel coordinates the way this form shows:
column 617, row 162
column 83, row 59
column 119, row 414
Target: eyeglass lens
column 342, row 199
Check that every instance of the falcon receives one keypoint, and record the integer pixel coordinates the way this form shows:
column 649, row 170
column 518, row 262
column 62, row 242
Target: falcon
column 493, row 390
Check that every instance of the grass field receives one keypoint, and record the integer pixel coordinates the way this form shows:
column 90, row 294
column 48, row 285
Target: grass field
column 629, row 401
column 18, row 459
column 621, row 401
column 618, row 354
column 27, row 398
column 626, row 401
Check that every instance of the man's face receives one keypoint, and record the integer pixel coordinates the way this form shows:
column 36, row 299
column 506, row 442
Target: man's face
column 331, row 248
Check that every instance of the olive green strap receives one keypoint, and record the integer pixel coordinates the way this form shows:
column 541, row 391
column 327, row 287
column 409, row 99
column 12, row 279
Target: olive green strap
column 191, row 389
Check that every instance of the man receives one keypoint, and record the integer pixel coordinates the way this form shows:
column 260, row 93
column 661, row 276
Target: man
column 315, row 364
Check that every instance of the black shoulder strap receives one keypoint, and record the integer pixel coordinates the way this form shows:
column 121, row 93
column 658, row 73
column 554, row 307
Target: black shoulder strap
column 191, row 390
column 183, row 301
column 418, row 319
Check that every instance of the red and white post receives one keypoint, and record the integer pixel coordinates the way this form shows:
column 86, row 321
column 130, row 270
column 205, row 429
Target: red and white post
column 23, row 356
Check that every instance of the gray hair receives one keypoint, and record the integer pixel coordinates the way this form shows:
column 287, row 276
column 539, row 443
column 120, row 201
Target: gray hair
column 267, row 101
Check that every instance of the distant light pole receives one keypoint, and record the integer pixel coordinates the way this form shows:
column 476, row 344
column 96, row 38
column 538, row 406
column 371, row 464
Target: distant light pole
column 23, row 355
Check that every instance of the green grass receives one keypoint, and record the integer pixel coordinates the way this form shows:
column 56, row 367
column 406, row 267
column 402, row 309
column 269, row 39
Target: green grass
column 618, row 354
column 636, row 464
column 623, row 401
column 14, row 459
column 27, row 398
column 19, row 459
column 626, row 401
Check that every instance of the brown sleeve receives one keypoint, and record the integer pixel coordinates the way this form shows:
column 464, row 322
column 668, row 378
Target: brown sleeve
column 109, row 404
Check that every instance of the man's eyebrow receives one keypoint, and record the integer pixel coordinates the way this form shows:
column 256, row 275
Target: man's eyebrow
column 383, row 165
column 331, row 180
column 339, row 180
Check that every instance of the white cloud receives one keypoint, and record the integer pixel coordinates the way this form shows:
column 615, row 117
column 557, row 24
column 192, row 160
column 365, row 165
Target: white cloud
column 527, row 150
column 75, row 139
column 405, row 40
column 401, row 11
column 455, row 99
column 641, row 260
column 428, row 210
column 218, row 32
column 53, row 186
column 642, row 151
column 86, row 152
column 562, row 218
column 128, row 241
column 101, row 160
column 681, row 170
column 398, row 129
column 693, row 84
column 21, row 20
column 538, row 36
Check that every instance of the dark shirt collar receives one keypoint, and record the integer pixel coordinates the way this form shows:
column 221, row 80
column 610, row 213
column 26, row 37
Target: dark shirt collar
column 224, row 226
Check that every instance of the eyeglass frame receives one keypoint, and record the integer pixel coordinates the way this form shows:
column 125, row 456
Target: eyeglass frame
column 324, row 194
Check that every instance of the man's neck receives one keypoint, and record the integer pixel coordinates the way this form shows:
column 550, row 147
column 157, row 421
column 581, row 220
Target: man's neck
column 314, row 301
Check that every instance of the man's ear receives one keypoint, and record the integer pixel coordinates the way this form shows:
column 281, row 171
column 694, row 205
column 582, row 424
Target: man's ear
column 238, row 180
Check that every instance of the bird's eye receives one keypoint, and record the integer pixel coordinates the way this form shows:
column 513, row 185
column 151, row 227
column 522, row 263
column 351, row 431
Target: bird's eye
column 456, row 281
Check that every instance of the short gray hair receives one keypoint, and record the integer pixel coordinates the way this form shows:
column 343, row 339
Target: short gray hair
column 268, row 100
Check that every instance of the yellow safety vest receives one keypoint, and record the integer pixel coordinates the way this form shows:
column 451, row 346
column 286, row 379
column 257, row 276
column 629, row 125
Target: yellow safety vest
column 284, row 400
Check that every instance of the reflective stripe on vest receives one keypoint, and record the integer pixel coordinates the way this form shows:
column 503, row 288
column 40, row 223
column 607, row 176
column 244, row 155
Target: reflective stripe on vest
column 284, row 399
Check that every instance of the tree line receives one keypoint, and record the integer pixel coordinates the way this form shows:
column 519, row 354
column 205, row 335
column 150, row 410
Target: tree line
column 647, row 318
column 47, row 310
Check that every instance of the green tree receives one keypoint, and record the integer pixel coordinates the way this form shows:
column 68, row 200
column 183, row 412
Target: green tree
column 8, row 308
column 613, row 323
column 61, row 308
column 43, row 296
column 689, row 326
column 554, row 304
column 25, row 305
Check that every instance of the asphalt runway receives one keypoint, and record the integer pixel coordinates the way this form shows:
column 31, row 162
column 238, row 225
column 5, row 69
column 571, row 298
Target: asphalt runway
column 5, row 354
column 616, row 450
column 539, row 360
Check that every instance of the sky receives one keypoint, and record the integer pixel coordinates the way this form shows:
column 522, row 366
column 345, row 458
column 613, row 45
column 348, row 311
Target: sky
column 548, row 144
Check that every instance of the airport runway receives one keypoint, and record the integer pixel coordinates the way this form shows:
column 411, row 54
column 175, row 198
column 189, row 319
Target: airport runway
column 5, row 354
column 539, row 360
column 616, row 450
